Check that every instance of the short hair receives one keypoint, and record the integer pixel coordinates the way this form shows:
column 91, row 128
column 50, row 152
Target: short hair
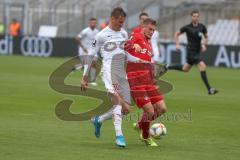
column 117, row 12
column 143, row 14
column 14, row 20
column 194, row 11
column 92, row 19
column 150, row 21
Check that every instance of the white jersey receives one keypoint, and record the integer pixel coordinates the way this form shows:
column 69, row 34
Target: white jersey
column 154, row 44
column 110, row 44
column 87, row 36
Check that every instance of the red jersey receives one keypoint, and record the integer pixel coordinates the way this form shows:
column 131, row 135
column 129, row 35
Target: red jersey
column 145, row 44
column 140, row 75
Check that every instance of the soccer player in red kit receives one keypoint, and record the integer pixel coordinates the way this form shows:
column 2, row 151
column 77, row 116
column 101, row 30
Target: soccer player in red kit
column 159, row 69
column 141, row 79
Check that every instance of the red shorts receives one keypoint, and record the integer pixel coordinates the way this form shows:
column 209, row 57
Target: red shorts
column 145, row 94
column 142, row 89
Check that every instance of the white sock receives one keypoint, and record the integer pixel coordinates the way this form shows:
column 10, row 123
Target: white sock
column 92, row 74
column 117, row 119
column 106, row 116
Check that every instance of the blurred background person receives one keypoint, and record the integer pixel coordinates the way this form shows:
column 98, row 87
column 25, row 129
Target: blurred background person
column 15, row 28
column 195, row 32
column 85, row 39
column 2, row 28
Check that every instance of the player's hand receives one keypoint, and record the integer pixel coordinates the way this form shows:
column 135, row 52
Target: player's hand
column 85, row 50
column 204, row 48
column 178, row 47
column 84, row 83
column 137, row 48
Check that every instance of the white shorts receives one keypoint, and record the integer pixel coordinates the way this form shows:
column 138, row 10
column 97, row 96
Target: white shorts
column 115, row 83
column 81, row 52
column 83, row 56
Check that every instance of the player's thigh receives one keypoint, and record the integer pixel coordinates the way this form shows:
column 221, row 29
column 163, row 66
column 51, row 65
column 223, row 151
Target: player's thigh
column 80, row 53
column 148, row 108
column 139, row 95
column 202, row 66
column 153, row 93
column 113, row 86
column 107, row 80
column 115, row 98
column 126, row 107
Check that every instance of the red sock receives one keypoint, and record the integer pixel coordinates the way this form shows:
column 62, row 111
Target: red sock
column 144, row 124
column 143, row 119
column 145, row 129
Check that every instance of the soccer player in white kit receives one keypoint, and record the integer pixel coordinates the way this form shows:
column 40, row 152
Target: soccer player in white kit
column 85, row 39
column 110, row 42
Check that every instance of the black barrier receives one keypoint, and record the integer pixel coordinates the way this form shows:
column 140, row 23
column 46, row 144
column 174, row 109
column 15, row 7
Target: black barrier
column 39, row 46
column 225, row 56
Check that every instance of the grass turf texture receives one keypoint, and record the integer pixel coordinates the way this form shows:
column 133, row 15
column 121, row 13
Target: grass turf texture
column 29, row 129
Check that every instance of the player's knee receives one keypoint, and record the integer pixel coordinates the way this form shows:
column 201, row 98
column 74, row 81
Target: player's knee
column 150, row 115
column 186, row 69
column 93, row 65
column 163, row 110
column 202, row 66
column 126, row 110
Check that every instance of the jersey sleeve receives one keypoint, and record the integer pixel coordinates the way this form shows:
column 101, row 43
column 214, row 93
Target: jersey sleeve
column 204, row 29
column 183, row 29
column 82, row 34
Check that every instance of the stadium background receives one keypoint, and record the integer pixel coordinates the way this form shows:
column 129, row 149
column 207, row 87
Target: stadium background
column 30, row 130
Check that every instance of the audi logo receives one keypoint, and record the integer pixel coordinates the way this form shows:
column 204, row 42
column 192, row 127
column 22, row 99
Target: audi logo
column 36, row 46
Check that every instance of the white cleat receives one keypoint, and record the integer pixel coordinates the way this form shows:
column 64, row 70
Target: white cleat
column 93, row 83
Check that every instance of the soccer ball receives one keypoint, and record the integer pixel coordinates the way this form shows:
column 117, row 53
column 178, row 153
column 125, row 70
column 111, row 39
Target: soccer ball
column 158, row 130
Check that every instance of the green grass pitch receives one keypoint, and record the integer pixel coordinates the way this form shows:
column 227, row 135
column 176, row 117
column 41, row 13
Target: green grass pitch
column 29, row 129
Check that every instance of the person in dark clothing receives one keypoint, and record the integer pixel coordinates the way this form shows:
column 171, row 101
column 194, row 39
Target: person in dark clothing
column 197, row 38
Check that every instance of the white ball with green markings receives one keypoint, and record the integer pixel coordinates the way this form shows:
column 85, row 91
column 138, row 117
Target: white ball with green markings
column 158, row 130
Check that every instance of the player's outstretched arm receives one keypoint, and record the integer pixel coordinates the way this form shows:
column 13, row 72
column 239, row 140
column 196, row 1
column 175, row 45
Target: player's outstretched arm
column 204, row 43
column 176, row 38
column 79, row 40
